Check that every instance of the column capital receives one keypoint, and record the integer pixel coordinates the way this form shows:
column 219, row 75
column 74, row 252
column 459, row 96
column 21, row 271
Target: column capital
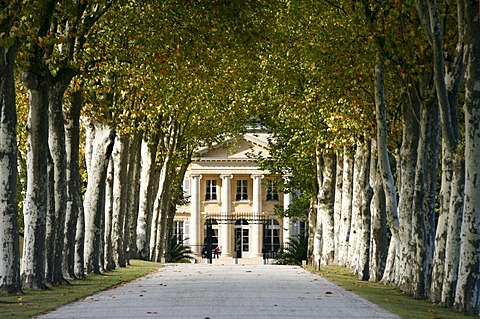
column 222, row 176
column 254, row 176
column 199, row 176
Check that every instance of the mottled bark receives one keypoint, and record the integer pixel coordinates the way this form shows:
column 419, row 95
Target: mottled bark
column 386, row 176
column 468, row 285
column 56, row 142
column 120, row 167
column 356, row 215
column 9, row 233
column 130, row 236
column 345, row 219
column 94, row 196
column 408, row 162
column 149, row 152
column 35, row 207
column 379, row 244
column 326, row 201
column 365, row 213
column 36, row 79
column 73, row 204
column 452, row 242
column 109, row 261
column 337, row 208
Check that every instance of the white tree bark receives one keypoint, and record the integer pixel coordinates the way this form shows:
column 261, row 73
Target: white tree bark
column 35, row 207
column 57, row 142
column 408, row 161
column 120, row 191
column 155, row 225
column 346, row 217
column 365, row 214
column 468, row 285
column 317, row 228
column 149, row 152
column 338, row 204
column 356, row 215
column 9, row 234
column 418, row 282
column 130, row 236
column 379, row 243
column 326, row 203
column 73, row 205
column 452, row 243
column 94, row 196
column 109, row 261
column 385, row 170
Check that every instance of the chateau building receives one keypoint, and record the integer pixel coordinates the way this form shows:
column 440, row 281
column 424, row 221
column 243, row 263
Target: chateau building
column 229, row 194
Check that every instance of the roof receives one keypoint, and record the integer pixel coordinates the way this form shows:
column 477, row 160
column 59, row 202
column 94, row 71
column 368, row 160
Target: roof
column 235, row 148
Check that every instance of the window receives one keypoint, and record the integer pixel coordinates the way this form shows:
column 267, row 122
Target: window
column 272, row 190
column 211, row 190
column 272, row 236
column 178, row 231
column 213, row 234
column 186, row 188
column 241, row 190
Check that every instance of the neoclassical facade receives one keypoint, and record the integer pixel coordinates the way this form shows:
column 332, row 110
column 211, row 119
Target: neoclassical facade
column 230, row 192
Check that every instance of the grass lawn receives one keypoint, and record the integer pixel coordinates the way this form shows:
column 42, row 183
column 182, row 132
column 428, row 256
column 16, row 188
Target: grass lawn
column 34, row 302
column 388, row 297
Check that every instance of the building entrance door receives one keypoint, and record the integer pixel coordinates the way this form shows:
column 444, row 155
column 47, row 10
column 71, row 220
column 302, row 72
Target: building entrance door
column 241, row 238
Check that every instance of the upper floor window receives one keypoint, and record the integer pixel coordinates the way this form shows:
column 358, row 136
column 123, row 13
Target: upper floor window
column 186, row 188
column 211, row 189
column 241, row 190
column 272, row 190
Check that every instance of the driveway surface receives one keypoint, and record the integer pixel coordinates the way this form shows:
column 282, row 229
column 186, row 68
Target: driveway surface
column 224, row 291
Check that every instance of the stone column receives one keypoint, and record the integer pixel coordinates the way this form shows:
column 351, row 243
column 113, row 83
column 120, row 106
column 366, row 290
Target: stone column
column 195, row 213
column 287, row 200
column 225, row 223
column 257, row 240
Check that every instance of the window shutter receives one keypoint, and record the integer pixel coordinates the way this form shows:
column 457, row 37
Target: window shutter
column 186, row 187
column 186, row 232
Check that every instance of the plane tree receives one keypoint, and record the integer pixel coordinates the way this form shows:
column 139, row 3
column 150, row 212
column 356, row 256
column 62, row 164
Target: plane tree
column 9, row 229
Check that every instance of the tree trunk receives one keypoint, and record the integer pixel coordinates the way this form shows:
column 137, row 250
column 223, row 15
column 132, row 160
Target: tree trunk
column 94, row 196
column 346, row 217
column 418, row 237
column 318, row 235
column 408, row 162
column 312, row 225
column 467, row 292
column 108, row 242
column 163, row 206
column 356, row 219
column 162, row 201
column 9, row 233
column 391, row 270
column 56, row 142
column 73, row 206
column 433, row 160
column 379, row 245
column 366, row 194
column 338, row 204
column 35, row 207
column 326, row 203
column 50, row 224
column 149, row 152
column 120, row 167
column 452, row 242
column 130, row 236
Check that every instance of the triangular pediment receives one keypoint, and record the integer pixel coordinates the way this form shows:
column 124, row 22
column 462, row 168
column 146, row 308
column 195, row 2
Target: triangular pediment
column 236, row 149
